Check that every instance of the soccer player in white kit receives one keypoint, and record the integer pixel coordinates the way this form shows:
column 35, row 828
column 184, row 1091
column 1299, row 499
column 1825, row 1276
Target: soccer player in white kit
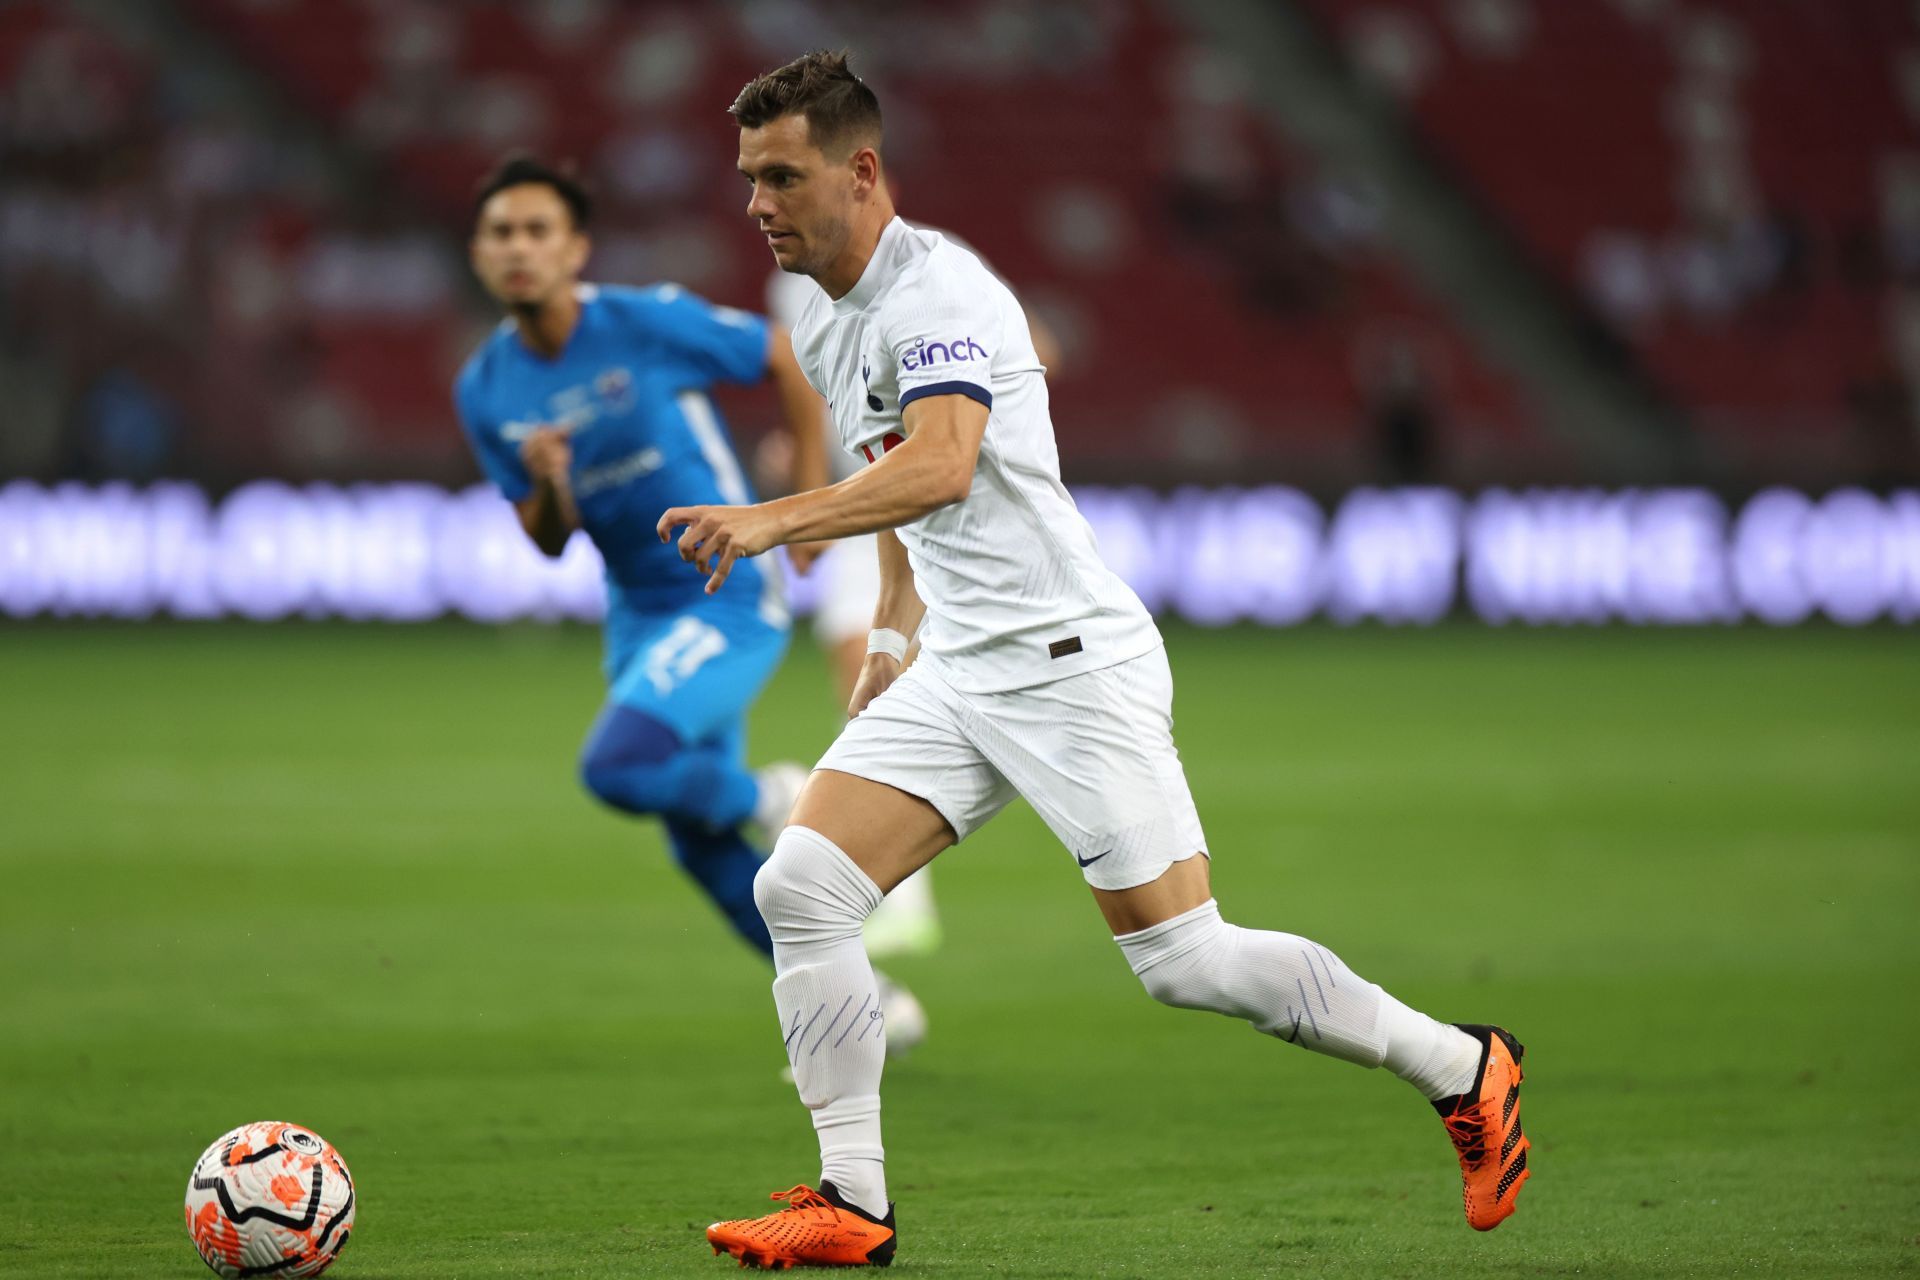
column 847, row 574
column 1040, row 675
column 847, row 587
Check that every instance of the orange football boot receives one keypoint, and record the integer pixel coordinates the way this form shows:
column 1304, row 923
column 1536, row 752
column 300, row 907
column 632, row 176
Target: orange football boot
column 816, row 1229
column 1484, row 1124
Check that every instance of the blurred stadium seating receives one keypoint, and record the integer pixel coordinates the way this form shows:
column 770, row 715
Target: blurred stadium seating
column 188, row 293
column 192, row 295
column 1733, row 186
column 1244, row 340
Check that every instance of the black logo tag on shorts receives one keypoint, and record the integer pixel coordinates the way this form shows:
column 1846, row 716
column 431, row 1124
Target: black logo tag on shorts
column 1061, row 648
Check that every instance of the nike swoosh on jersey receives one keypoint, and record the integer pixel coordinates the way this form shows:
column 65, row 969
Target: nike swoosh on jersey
column 1087, row 862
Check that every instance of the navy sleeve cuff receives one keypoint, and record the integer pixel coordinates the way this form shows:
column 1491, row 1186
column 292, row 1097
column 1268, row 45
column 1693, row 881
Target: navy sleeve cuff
column 971, row 390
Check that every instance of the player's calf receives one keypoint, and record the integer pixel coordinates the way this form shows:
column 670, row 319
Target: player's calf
column 1300, row 992
column 814, row 899
column 1284, row 985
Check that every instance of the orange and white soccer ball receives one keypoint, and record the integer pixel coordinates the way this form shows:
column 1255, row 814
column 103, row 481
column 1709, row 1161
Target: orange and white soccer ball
column 270, row 1199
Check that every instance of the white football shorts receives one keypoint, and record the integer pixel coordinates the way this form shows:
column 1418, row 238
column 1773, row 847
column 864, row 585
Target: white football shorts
column 1092, row 753
column 849, row 574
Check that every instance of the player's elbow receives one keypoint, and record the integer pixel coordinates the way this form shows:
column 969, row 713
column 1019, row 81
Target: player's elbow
column 955, row 482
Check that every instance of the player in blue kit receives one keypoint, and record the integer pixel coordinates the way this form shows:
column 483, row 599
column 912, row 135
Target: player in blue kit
column 588, row 408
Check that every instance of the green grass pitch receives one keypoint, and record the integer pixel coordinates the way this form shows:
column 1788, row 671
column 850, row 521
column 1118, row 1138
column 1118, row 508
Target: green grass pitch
column 344, row 876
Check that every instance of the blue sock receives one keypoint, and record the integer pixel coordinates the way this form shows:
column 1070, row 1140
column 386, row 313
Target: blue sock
column 724, row 864
column 639, row 765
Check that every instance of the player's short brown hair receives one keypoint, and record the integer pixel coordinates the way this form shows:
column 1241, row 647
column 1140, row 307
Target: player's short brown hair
column 841, row 112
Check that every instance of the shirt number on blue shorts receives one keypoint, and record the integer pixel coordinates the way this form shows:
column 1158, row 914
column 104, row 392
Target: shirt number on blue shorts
column 686, row 647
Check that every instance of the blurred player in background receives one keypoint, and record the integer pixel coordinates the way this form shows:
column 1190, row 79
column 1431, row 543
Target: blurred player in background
column 588, row 407
column 1040, row 675
column 848, row 574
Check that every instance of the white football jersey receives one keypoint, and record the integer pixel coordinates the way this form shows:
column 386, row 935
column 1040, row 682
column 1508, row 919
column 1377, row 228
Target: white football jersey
column 788, row 293
column 1015, row 589
column 787, row 296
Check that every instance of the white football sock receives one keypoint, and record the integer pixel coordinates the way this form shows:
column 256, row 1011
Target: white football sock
column 1297, row 990
column 1434, row 1057
column 814, row 898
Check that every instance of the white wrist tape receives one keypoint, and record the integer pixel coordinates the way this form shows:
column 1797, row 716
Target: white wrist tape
column 888, row 641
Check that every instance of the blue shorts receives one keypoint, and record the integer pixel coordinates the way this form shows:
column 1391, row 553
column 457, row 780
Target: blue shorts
column 696, row 669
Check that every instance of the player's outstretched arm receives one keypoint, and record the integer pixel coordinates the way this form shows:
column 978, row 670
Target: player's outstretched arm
column 548, row 513
column 932, row 468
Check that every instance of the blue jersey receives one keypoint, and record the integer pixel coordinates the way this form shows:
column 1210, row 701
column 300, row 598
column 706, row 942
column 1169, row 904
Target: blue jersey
column 630, row 389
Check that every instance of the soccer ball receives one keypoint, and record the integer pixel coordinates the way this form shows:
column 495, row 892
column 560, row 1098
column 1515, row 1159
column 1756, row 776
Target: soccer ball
column 906, row 1019
column 270, row 1199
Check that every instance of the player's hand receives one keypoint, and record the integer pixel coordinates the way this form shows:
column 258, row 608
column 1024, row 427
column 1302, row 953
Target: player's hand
column 802, row 555
column 547, row 455
column 877, row 673
column 717, row 536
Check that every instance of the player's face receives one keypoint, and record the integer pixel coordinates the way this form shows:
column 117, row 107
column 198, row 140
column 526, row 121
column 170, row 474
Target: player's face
column 803, row 201
column 525, row 247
